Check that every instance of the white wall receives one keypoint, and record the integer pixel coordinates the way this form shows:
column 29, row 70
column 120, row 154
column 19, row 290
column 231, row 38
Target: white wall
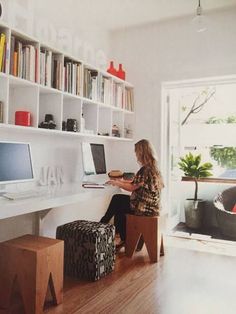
column 172, row 50
column 61, row 24
column 168, row 51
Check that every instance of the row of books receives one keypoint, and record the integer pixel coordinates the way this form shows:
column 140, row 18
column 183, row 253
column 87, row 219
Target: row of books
column 105, row 93
column 23, row 60
column 91, row 84
column 3, row 52
column 72, row 77
column 117, row 95
column 68, row 76
column 129, row 99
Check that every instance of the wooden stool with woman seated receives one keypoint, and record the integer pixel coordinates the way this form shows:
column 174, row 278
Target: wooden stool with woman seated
column 144, row 229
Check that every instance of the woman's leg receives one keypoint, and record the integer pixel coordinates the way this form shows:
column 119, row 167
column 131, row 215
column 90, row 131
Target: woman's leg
column 120, row 221
column 118, row 203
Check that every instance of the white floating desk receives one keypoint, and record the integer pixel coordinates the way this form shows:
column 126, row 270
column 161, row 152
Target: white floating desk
column 56, row 196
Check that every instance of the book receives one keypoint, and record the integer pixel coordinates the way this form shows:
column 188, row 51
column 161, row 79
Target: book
column 2, row 47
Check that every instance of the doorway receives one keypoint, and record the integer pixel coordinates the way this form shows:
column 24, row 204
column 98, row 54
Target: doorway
column 198, row 116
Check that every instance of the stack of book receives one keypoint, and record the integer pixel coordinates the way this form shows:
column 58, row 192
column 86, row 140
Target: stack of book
column 23, row 60
column 3, row 52
column 72, row 77
column 90, row 84
column 129, row 99
column 105, row 92
column 46, row 67
column 57, row 72
column 117, row 95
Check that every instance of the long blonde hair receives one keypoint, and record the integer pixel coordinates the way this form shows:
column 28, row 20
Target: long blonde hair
column 146, row 155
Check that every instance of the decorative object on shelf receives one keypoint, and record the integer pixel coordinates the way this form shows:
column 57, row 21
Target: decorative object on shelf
column 72, row 125
column 63, row 126
column 199, row 21
column 22, row 118
column 115, row 131
column 82, row 124
column 111, row 69
column 192, row 167
column 128, row 132
column 103, row 134
column 121, row 72
column 48, row 122
column 1, row 112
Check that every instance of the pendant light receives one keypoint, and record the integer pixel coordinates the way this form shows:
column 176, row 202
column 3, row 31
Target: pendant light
column 199, row 20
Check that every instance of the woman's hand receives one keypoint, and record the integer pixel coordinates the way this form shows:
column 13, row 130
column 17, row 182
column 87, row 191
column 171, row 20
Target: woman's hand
column 128, row 186
column 113, row 182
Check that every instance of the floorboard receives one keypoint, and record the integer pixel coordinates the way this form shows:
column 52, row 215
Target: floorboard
column 185, row 281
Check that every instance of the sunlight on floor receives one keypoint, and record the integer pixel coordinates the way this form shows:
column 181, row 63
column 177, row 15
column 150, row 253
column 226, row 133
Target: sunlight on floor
column 203, row 244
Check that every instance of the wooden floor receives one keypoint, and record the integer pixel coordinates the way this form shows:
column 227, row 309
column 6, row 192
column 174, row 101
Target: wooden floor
column 183, row 282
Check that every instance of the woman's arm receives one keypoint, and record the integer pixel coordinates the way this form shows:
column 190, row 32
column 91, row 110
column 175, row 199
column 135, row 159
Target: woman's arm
column 128, row 186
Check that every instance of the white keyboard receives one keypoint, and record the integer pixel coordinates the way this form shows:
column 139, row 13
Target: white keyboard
column 23, row 194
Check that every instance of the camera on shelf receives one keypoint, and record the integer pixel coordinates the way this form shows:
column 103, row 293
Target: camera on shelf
column 48, row 122
column 72, row 125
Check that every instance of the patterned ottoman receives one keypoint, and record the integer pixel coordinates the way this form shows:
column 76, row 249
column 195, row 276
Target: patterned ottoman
column 89, row 248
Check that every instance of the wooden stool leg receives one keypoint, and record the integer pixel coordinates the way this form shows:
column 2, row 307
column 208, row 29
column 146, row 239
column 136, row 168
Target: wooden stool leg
column 152, row 248
column 6, row 286
column 132, row 236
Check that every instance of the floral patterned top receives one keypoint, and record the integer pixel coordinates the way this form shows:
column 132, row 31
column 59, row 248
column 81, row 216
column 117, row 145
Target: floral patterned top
column 146, row 199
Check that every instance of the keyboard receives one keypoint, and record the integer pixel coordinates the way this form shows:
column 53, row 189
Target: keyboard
column 93, row 185
column 23, row 194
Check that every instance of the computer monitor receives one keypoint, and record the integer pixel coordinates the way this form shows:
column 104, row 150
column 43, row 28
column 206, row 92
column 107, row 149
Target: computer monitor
column 15, row 162
column 88, row 164
column 94, row 161
column 99, row 160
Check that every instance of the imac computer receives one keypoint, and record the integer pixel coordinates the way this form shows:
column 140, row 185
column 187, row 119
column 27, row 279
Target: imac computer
column 15, row 163
column 94, row 162
column 99, row 160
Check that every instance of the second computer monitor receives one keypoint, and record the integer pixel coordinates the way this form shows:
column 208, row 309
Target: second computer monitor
column 99, row 159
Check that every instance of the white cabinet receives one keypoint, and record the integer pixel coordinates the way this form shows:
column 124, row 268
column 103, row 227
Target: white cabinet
column 36, row 78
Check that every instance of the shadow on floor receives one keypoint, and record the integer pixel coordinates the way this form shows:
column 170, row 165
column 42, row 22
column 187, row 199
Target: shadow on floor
column 212, row 232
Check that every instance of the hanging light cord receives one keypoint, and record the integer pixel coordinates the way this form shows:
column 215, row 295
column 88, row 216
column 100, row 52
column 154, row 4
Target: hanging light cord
column 199, row 8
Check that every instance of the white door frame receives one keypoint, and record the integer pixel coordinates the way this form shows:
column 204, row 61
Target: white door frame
column 166, row 87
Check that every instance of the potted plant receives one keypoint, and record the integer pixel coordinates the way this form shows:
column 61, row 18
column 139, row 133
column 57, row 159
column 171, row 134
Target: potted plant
column 192, row 168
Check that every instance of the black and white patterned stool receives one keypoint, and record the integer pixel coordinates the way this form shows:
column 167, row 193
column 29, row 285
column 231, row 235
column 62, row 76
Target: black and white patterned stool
column 89, row 249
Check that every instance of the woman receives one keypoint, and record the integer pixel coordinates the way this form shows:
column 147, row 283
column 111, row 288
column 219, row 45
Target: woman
column 145, row 191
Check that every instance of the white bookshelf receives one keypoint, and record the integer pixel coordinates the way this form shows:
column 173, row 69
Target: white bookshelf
column 42, row 80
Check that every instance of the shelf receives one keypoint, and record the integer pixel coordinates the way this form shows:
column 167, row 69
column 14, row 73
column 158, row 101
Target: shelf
column 211, row 180
column 11, row 127
column 43, row 80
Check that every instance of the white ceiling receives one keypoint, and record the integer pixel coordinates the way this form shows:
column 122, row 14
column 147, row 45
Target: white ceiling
column 112, row 14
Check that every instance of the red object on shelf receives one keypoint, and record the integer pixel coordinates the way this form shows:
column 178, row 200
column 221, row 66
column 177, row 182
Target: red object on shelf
column 111, row 69
column 121, row 72
column 22, row 118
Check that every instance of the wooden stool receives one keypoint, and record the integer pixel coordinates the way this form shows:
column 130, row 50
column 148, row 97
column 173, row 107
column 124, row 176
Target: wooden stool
column 34, row 262
column 149, row 229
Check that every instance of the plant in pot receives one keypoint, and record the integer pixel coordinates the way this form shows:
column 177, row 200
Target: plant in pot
column 193, row 168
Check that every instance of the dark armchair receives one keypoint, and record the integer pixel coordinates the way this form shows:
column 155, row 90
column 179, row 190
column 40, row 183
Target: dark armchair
column 226, row 219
